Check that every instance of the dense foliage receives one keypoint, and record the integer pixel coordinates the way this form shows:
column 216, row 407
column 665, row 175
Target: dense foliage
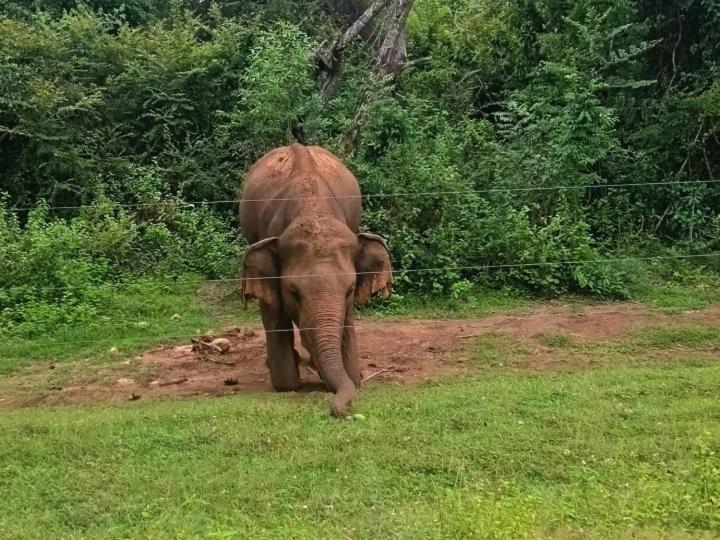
column 141, row 102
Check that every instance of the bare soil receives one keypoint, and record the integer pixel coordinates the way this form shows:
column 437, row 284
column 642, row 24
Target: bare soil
column 398, row 352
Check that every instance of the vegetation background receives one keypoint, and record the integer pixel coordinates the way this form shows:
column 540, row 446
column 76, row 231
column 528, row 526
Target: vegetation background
column 159, row 105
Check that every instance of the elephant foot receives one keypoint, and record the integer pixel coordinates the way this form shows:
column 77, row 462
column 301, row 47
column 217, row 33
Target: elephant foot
column 286, row 387
column 338, row 410
column 284, row 376
column 341, row 402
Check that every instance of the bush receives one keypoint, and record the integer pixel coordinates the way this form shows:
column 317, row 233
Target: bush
column 60, row 272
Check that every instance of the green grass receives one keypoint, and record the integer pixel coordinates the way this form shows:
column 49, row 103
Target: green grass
column 654, row 343
column 495, row 350
column 556, row 340
column 685, row 336
column 473, row 303
column 617, row 452
column 627, row 451
column 681, row 291
column 596, row 454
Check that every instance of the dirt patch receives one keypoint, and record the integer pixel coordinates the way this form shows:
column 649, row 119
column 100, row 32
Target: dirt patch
column 400, row 352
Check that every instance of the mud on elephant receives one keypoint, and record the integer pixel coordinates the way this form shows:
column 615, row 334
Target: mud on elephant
column 308, row 264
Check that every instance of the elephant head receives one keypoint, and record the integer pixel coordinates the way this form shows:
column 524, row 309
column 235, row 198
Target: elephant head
column 314, row 272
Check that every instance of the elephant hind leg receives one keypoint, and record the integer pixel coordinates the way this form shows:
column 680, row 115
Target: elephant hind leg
column 284, row 373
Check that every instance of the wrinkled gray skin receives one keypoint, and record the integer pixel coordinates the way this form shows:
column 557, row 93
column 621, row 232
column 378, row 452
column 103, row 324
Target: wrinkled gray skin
column 300, row 210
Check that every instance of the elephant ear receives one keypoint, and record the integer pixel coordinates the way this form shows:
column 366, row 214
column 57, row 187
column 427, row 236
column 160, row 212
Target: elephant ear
column 374, row 271
column 261, row 273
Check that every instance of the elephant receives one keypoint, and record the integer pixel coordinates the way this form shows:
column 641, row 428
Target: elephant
column 308, row 264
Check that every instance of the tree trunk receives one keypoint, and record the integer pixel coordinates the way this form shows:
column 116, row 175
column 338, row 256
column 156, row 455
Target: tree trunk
column 391, row 59
column 392, row 55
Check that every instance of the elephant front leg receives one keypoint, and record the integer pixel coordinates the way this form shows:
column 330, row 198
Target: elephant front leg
column 284, row 373
column 350, row 354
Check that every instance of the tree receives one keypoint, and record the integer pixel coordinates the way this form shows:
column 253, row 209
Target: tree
column 390, row 57
column 330, row 59
column 392, row 54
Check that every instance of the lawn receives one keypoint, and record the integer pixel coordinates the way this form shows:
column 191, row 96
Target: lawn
column 628, row 451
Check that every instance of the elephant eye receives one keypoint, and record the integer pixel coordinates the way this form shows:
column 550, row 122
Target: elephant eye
column 350, row 291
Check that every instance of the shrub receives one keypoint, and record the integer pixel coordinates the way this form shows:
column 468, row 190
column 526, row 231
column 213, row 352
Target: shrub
column 59, row 272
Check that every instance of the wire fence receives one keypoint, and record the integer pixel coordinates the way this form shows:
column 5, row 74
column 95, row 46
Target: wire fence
column 370, row 196
column 398, row 272
column 234, row 320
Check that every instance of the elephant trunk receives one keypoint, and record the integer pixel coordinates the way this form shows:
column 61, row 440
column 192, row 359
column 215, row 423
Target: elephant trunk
column 326, row 339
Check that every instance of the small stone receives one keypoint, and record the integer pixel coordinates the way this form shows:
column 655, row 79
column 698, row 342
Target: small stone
column 154, row 383
column 125, row 382
column 114, row 350
column 221, row 345
column 247, row 334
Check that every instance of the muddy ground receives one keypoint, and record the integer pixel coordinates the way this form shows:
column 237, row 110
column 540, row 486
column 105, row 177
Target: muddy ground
column 397, row 352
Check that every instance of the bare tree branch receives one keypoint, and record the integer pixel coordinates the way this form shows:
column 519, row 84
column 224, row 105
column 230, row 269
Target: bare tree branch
column 390, row 62
column 707, row 164
column 674, row 55
column 330, row 59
